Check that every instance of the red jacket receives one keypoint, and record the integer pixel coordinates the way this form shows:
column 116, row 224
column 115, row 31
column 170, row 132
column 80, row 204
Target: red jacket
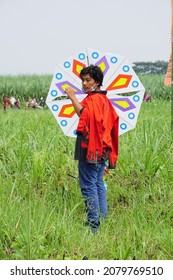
column 99, row 123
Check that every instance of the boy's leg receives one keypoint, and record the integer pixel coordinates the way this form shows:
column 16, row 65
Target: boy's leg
column 102, row 191
column 88, row 174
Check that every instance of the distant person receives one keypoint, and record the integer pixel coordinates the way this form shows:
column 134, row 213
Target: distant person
column 17, row 104
column 31, row 103
column 41, row 103
column 14, row 103
column 147, row 97
column 6, row 103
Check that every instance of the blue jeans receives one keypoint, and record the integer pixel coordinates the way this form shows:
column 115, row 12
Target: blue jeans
column 93, row 190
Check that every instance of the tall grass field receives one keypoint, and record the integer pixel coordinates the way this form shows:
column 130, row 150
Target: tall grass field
column 42, row 211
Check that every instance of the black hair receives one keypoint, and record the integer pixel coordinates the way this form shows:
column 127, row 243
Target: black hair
column 95, row 72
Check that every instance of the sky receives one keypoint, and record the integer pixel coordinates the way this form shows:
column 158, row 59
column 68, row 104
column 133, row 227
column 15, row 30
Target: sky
column 35, row 35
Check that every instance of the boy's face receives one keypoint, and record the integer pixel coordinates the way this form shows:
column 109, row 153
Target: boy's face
column 89, row 83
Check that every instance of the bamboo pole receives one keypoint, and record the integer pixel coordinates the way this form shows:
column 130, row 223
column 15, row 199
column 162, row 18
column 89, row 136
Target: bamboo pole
column 172, row 88
column 172, row 69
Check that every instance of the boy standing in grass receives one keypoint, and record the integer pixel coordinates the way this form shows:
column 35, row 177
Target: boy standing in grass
column 97, row 142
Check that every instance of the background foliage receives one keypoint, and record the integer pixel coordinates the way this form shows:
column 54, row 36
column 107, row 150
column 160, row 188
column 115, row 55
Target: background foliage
column 24, row 86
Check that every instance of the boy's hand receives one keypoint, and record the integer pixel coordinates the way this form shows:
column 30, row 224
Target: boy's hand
column 70, row 92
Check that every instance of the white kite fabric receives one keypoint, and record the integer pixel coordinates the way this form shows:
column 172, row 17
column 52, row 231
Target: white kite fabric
column 125, row 90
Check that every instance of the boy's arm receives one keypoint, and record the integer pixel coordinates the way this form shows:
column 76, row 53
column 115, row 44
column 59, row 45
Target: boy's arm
column 71, row 94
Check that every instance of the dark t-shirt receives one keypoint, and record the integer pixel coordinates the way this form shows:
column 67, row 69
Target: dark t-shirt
column 80, row 153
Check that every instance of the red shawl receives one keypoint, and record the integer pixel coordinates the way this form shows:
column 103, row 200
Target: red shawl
column 99, row 123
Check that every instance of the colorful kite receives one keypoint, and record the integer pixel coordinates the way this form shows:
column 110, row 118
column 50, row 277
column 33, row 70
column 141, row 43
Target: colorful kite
column 125, row 91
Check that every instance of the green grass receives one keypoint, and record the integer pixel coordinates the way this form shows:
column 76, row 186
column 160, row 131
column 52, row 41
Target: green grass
column 42, row 210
